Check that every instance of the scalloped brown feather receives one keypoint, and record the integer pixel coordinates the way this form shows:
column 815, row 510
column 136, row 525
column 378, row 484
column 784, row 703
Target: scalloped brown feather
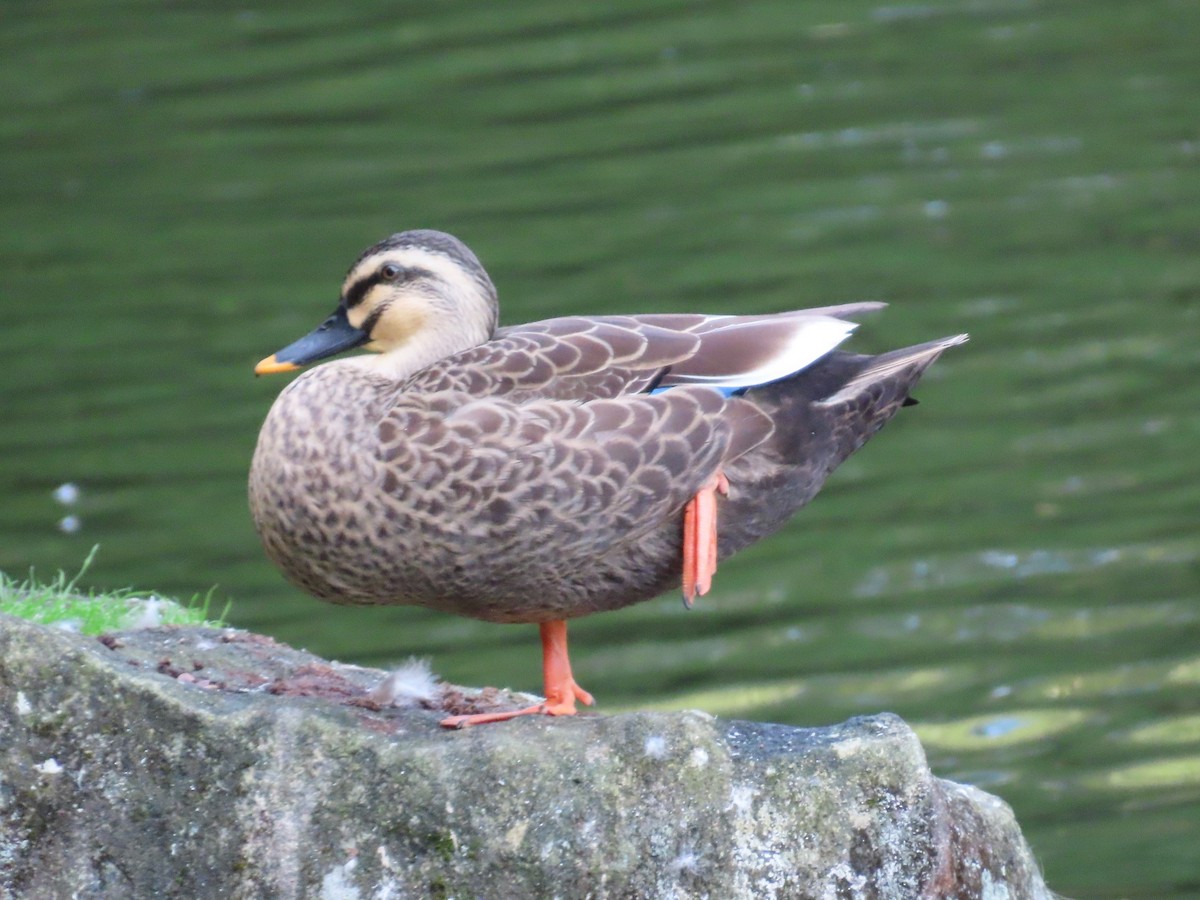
column 531, row 479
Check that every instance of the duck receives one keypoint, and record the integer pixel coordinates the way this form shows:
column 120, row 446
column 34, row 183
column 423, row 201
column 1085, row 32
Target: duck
column 541, row 472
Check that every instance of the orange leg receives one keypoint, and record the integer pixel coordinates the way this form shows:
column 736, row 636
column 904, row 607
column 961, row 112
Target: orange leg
column 700, row 538
column 560, row 687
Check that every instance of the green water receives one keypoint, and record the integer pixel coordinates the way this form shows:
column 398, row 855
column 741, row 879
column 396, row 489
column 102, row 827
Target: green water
column 1013, row 566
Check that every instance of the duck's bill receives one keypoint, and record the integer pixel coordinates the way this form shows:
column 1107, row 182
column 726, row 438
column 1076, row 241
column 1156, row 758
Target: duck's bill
column 332, row 336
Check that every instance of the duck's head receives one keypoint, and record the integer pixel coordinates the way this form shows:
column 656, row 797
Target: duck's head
column 417, row 297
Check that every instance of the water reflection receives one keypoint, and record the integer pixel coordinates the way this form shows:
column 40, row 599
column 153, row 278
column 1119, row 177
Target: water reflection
column 1175, row 730
column 1009, row 729
column 1000, row 565
column 1012, row 565
column 1176, row 771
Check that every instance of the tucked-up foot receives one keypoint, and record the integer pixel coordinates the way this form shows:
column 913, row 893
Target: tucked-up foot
column 560, row 687
column 700, row 538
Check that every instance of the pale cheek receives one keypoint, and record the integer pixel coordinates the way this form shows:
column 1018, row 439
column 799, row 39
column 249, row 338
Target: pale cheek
column 397, row 326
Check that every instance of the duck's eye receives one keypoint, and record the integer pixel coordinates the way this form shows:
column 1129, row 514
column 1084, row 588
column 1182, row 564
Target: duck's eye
column 390, row 272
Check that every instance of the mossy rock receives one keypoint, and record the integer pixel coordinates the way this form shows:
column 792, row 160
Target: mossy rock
column 195, row 762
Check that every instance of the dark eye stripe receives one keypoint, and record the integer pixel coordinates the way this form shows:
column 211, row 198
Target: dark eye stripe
column 357, row 291
column 412, row 273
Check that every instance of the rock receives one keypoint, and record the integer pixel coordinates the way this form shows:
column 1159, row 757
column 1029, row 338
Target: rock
column 191, row 762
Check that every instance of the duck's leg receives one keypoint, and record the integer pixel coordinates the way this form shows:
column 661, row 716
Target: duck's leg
column 700, row 538
column 560, row 687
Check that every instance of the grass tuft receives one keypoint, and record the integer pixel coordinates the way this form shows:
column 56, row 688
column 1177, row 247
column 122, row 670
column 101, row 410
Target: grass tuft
column 60, row 603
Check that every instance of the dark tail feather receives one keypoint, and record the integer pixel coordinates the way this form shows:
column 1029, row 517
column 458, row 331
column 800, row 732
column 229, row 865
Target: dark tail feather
column 894, row 370
column 869, row 398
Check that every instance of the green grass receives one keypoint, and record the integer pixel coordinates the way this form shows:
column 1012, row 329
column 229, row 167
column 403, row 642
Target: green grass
column 60, row 602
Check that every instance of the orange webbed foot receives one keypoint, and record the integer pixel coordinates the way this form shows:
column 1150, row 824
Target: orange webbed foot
column 700, row 538
column 561, row 689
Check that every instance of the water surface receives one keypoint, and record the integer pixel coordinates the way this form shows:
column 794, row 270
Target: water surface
column 1012, row 566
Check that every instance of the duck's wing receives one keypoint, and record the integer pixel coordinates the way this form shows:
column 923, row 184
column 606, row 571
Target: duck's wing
column 700, row 323
column 570, row 358
column 583, row 358
column 739, row 352
column 527, row 479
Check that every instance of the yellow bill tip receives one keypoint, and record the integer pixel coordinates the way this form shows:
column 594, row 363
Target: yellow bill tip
column 271, row 366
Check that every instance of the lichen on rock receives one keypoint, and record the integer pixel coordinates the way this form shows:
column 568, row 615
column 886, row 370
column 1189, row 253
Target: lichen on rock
column 195, row 762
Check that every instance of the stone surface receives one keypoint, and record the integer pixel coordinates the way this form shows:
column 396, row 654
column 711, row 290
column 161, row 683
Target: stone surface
column 201, row 763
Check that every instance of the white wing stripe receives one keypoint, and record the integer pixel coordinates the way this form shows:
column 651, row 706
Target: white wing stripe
column 812, row 338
